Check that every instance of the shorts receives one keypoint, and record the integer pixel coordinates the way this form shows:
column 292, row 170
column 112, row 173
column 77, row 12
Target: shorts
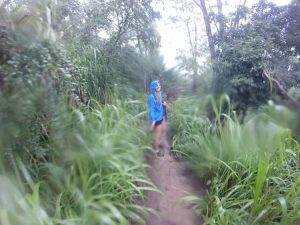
column 158, row 122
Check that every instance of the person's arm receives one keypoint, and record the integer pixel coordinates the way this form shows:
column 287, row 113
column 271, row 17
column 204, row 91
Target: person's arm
column 151, row 111
column 152, row 126
column 164, row 102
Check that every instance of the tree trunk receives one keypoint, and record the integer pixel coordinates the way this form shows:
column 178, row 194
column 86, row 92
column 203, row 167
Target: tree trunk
column 211, row 44
column 194, row 51
column 221, row 17
column 238, row 12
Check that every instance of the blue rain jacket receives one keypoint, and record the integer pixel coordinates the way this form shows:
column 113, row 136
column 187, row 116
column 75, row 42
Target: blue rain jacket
column 155, row 108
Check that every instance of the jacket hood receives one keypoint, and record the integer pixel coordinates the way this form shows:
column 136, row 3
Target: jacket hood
column 153, row 86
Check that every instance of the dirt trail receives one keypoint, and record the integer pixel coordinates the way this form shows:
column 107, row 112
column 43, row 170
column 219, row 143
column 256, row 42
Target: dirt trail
column 175, row 182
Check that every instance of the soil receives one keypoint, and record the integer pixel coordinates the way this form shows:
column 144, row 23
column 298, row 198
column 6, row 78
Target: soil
column 175, row 182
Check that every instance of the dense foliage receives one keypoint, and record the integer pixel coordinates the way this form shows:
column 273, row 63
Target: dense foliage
column 71, row 137
column 256, row 53
column 252, row 169
column 72, row 143
column 252, row 49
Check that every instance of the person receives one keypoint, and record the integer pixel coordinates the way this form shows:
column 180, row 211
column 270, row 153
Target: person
column 156, row 115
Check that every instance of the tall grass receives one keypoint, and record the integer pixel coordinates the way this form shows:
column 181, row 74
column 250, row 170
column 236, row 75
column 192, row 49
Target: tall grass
column 81, row 164
column 251, row 169
column 93, row 173
column 94, row 73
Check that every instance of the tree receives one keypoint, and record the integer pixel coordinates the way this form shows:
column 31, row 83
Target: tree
column 190, row 58
column 221, row 17
column 114, row 22
column 109, row 32
column 211, row 44
column 248, row 53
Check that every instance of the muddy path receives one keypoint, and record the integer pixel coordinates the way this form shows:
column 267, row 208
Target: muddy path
column 175, row 182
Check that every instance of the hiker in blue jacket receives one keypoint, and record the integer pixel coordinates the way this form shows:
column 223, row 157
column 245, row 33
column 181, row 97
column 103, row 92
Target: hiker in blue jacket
column 156, row 114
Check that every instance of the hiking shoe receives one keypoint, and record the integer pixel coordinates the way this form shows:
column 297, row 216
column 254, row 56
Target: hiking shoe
column 159, row 154
column 165, row 145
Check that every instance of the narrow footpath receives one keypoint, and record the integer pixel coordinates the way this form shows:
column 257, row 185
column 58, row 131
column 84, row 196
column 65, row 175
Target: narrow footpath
column 175, row 182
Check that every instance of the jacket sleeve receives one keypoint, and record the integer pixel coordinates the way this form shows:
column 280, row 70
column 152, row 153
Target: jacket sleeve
column 151, row 106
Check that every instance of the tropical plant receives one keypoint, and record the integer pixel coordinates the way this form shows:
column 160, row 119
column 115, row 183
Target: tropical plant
column 71, row 151
column 250, row 168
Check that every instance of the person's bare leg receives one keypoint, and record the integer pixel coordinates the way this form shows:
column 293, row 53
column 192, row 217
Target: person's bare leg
column 157, row 138
column 164, row 139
